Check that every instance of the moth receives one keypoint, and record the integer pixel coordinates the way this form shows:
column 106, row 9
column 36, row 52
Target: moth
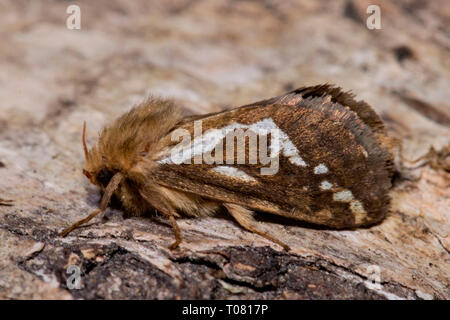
column 321, row 157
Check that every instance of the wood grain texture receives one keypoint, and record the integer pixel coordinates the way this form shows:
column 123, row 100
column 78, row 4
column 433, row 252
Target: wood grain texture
column 210, row 56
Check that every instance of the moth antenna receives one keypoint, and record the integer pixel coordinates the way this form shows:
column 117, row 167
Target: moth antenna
column 83, row 139
column 112, row 186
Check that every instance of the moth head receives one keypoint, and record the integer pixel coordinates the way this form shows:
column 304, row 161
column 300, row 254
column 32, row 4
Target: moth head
column 134, row 136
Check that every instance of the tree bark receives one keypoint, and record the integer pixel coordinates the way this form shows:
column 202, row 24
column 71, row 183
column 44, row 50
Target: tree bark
column 208, row 56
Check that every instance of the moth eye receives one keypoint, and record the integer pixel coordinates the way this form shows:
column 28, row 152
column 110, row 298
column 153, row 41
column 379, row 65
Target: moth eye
column 87, row 174
column 104, row 176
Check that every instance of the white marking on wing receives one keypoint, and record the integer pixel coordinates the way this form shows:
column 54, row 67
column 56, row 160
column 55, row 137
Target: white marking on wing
column 234, row 173
column 358, row 210
column 209, row 139
column 343, row 196
column 356, row 206
column 298, row 161
column 289, row 150
column 325, row 185
column 320, row 169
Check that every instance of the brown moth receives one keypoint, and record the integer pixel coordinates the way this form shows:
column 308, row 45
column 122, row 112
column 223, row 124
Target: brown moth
column 334, row 161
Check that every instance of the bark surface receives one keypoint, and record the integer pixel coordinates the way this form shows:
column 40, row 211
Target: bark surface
column 208, row 56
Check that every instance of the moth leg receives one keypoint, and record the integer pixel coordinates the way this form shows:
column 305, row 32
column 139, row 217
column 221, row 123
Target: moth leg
column 167, row 211
column 177, row 232
column 244, row 218
column 109, row 191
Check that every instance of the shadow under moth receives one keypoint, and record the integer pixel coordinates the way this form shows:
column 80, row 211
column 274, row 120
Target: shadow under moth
column 314, row 154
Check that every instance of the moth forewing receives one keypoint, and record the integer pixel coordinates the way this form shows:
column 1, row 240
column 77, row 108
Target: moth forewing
column 327, row 157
